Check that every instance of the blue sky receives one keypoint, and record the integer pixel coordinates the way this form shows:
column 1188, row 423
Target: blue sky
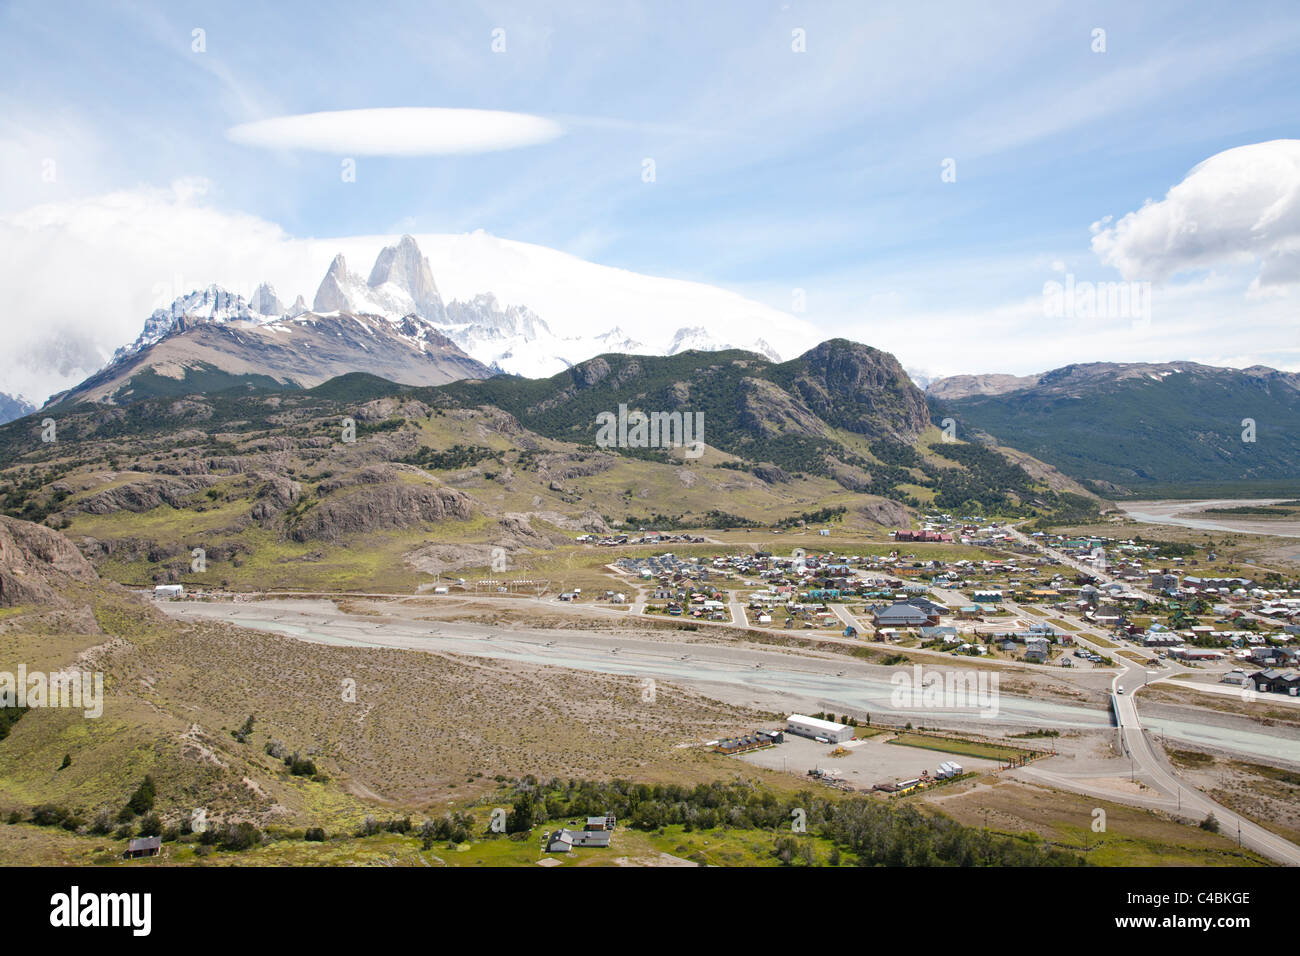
column 775, row 169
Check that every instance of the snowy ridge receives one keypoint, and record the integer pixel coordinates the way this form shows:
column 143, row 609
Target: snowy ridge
column 506, row 336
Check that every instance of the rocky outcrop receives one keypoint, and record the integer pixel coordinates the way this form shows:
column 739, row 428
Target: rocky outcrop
column 37, row 563
column 882, row 511
column 380, row 508
column 146, row 494
column 275, row 493
column 766, row 409
column 861, row 389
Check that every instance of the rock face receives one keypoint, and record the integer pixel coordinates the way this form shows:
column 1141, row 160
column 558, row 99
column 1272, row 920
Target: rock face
column 146, row 494
column 265, row 301
column 766, row 409
column 380, row 508
column 860, row 388
column 337, row 289
column 403, row 267
column 36, row 562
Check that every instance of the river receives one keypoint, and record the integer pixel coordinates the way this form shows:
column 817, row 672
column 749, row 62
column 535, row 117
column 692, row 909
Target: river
column 1186, row 514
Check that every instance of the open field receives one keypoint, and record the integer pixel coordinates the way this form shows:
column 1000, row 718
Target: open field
column 964, row 748
column 1132, row 837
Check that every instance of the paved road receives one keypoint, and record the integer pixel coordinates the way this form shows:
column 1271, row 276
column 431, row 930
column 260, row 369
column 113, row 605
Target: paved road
column 1137, row 746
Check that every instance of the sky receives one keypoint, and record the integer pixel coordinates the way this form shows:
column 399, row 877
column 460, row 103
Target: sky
column 927, row 178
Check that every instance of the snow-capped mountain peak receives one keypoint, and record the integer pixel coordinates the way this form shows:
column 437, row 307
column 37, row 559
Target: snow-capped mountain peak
column 507, row 336
column 213, row 304
column 265, row 301
column 401, row 268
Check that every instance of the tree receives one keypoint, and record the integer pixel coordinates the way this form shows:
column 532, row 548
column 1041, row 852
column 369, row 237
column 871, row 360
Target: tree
column 523, row 815
column 142, row 800
column 1210, row 823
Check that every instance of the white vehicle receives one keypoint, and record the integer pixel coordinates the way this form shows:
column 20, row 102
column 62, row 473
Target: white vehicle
column 1119, row 689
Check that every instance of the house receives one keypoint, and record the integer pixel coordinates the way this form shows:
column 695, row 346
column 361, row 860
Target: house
column 144, row 846
column 938, row 633
column 902, row 615
column 988, row 597
column 1275, row 682
column 1279, row 656
column 1160, row 638
column 563, row 841
column 738, row 745
column 605, row 822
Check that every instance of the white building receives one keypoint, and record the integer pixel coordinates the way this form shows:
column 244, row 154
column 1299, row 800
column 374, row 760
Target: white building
column 168, row 591
column 815, row 727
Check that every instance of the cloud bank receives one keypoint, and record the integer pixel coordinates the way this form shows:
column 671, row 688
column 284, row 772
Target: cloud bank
column 1238, row 206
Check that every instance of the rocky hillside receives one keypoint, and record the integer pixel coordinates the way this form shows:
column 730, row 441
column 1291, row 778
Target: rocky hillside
column 207, row 357
column 361, row 477
column 37, row 564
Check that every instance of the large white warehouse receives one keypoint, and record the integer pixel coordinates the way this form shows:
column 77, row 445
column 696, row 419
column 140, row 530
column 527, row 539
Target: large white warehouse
column 816, row 727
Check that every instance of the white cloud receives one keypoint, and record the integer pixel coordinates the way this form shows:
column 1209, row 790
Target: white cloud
column 399, row 131
column 1241, row 205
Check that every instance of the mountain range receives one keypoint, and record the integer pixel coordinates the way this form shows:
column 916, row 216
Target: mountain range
column 1123, row 426
column 1118, row 426
column 13, row 406
column 211, row 335
column 267, row 481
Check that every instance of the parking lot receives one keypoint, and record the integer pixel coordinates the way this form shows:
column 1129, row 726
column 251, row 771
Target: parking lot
column 867, row 763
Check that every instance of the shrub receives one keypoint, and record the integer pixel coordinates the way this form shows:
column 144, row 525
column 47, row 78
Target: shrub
column 300, row 766
column 239, row 836
column 245, row 731
column 48, row 815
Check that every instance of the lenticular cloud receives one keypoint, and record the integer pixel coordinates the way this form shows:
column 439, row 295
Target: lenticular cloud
column 399, row 131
